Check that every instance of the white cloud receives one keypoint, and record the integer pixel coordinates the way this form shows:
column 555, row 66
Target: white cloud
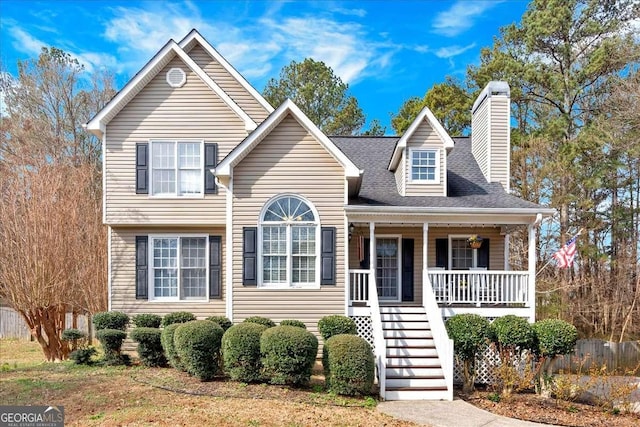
column 25, row 42
column 460, row 17
column 451, row 51
column 360, row 13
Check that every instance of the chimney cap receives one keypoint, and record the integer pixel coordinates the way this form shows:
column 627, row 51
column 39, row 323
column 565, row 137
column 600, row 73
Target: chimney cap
column 494, row 87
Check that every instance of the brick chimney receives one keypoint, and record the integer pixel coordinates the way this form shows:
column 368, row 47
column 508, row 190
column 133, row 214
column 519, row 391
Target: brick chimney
column 490, row 132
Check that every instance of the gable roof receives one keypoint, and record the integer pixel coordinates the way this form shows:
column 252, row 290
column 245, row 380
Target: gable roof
column 467, row 188
column 160, row 60
column 288, row 107
column 194, row 36
column 402, row 142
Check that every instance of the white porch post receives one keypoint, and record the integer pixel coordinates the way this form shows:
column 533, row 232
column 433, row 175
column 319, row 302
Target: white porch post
column 532, row 272
column 425, row 258
column 506, row 252
column 372, row 252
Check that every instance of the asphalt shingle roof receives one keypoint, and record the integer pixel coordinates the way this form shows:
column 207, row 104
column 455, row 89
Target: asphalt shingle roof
column 466, row 185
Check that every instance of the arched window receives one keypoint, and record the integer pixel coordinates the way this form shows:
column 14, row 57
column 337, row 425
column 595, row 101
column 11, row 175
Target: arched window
column 289, row 242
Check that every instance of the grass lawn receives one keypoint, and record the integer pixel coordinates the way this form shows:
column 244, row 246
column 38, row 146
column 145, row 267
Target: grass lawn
column 113, row 396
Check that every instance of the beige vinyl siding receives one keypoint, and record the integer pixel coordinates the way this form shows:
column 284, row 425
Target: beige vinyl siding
column 425, row 138
column 288, row 160
column 480, row 135
column 500, row 144
column 400, row 173
column 229, row 84
column 123, row 275
column 159, row 111
column 496, row 250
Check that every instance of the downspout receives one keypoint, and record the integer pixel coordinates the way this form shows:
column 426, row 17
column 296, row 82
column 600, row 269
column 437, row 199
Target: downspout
column 228, row 245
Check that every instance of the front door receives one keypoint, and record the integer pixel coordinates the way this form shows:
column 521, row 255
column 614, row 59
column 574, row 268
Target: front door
column 388, row 268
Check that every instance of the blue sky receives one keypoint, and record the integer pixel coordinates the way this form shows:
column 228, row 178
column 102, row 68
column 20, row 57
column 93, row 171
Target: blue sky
column 386, row 51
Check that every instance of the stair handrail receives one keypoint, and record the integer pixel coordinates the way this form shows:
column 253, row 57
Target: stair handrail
column 379, row 343
column 444, row 345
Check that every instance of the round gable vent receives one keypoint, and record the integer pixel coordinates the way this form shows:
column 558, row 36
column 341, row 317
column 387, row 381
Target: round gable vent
column 176, row 77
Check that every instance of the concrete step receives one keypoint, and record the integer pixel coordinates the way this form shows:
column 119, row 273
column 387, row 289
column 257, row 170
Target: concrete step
column 410, row 342
column 407, row 333
column 403, row 324
column 412, row 361
column 407, row 310
column 415, row 382
column 410, row 372
column 437, row 393
column 411, row 352
column 403, row 317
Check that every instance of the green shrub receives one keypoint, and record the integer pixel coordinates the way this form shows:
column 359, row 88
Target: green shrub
column 288, row 354
column 261, row 321
column 554, row 337
column 177, row 317
column 222, row 321
column 512, row 334
column 111, row 320
column 73, row 335
column 168, row 345
column 329, row 326
column 241, row 352
column 147, row 320
column 82, row 356
column 198, row 346
column 470, row 334
column 111, row 340
column 149, row 346
column 292, row 322
column 349, row 365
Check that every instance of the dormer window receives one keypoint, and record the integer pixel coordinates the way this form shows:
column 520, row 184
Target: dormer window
column 425, row 166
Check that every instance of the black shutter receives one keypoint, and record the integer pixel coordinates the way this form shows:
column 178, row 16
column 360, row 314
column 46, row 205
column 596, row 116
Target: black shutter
column 142, row 168
column 407, row 269
column 142, row 267
column 210, row 162
column 442, row 253
column 366, row 261
column 328, row 256
column 483, row 254
column 215, row 265
column 249, row 256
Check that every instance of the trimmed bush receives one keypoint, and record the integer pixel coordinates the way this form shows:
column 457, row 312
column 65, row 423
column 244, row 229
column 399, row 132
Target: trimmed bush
column 198, row 346
column 82, row 356
column 149, row 346
column 292, row 322
column 111, row 320
column 261, row 321
column 288, row 354
column 111, row 340
column 73, row 335
column 241, row 352
column 147, row 320
column 336, row 325
column 177, row 317
column 470, row 334
column 349, row 365
column 555, row 337
column 168, row 345
column 222, row 321
column 512, row 334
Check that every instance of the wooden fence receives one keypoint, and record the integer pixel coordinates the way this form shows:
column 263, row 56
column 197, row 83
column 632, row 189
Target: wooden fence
column 616, row 356
column 12, row 325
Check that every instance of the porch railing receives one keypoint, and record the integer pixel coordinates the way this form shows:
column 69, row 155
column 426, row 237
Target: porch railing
column 359, row 287
column 480, row 287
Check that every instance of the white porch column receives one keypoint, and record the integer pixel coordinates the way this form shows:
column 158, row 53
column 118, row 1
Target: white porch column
column 506, row 252
column 532, row 272
column 372, row 252
column 425, row 258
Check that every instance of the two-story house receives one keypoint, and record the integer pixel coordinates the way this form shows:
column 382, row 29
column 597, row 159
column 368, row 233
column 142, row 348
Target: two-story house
column 218, row 204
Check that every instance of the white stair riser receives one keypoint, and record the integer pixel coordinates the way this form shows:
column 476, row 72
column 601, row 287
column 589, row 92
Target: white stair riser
column 405, row 325
column 409, row 372
column 411, row 352
column 410, row 342
column 417, row 395
column 408, row 333
column 401, row 310
column 414, row 361
column 403, row 317
column 412, row 382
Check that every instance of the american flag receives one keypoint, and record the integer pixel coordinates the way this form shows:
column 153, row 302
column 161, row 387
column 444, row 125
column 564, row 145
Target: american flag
column 567, row 253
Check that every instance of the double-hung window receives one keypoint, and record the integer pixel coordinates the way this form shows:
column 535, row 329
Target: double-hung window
column 177, row 168
column 425, row 166
column 289, row 236
column 178, row 268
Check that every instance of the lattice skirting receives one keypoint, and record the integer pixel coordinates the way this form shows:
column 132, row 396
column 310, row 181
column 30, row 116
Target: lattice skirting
column 364, row 328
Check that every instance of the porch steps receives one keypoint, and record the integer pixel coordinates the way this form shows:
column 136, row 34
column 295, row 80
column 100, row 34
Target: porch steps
column 413, row 370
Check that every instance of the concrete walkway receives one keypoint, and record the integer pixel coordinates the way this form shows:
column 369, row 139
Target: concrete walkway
column 448, row 414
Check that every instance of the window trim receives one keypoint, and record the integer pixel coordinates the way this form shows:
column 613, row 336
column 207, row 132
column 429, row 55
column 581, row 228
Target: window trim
column 176, row 195
column 474, row 260
column 398, row 238
column 436, row 180
column 150, row 275
column 260, row 261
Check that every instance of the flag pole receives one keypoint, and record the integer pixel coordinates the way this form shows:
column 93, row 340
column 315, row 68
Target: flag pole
column 550, row 259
